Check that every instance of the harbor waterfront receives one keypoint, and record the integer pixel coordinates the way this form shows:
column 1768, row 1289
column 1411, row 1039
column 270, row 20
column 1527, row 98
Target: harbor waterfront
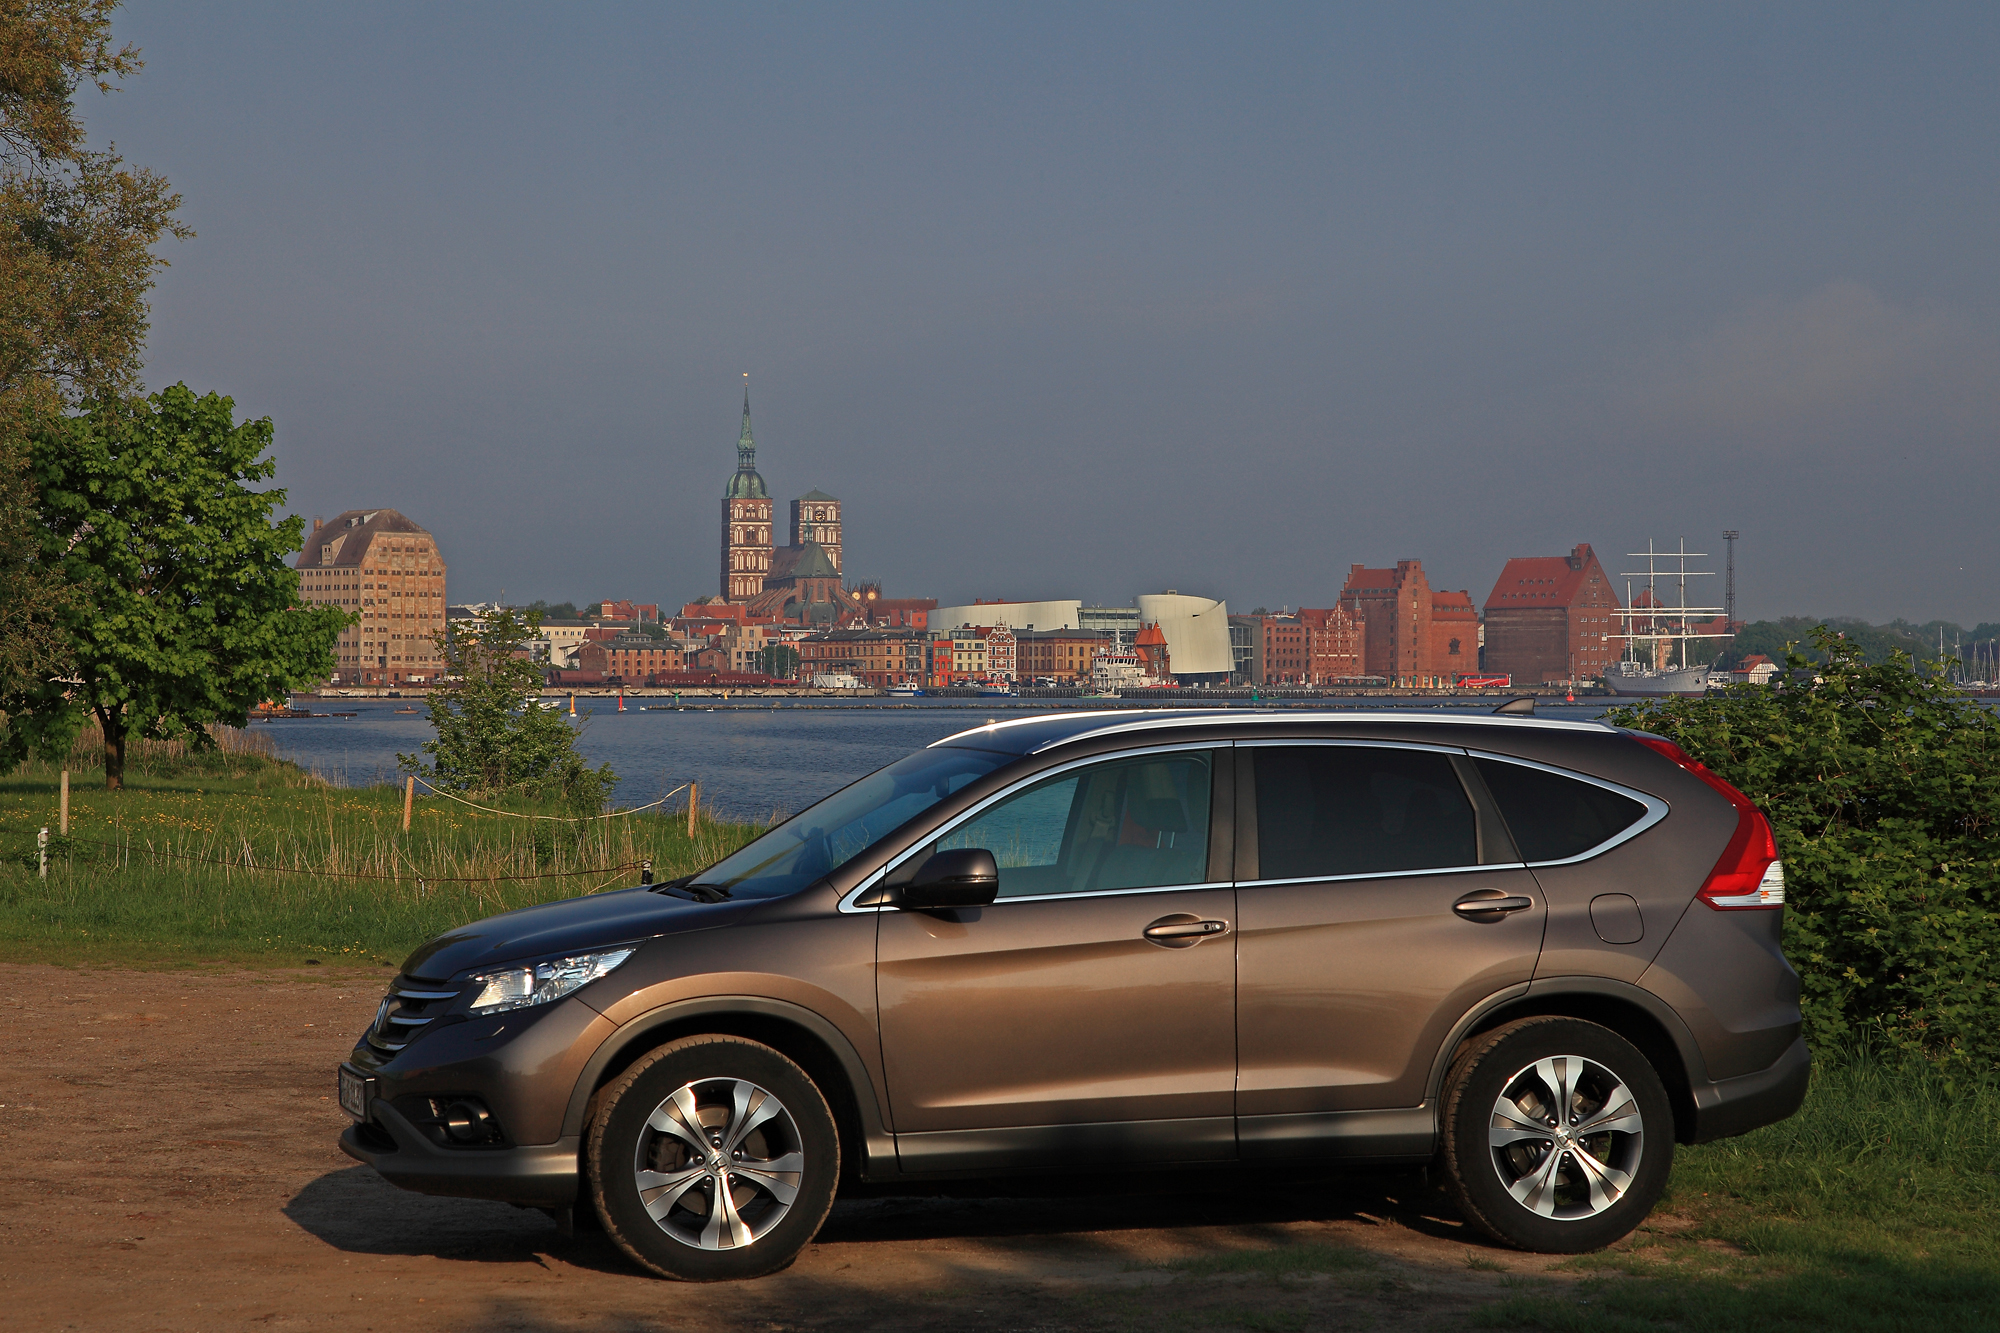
column 753, row 758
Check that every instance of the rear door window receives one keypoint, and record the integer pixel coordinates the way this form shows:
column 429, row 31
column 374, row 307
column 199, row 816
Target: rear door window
column 1325, row 810
column 1135, row 823
column 1553, row 817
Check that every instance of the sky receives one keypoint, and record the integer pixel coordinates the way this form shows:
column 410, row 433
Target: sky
column 1087, row 300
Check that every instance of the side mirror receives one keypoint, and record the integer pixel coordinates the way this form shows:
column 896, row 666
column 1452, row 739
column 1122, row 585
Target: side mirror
column 961, row 877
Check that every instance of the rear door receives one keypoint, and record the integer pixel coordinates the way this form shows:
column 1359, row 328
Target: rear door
column 1088, row 1015
column 1375, row 906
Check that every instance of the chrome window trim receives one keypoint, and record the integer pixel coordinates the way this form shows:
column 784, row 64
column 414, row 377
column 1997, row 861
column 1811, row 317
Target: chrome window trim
column 1385, row 874
column 1224, row 715
column 875, row 878
column 1656, row 809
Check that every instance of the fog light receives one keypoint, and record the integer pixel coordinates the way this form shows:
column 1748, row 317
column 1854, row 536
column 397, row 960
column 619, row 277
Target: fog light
column 467, row 1122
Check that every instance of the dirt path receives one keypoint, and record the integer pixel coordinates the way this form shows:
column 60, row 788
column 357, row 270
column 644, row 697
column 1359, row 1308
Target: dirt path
column 168, row 1161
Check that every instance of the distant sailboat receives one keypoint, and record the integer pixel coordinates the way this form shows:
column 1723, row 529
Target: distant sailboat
column 1662, row 633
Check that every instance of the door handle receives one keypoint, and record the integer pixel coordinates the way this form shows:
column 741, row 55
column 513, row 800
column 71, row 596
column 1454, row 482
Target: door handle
column 1181, row 931
column 1489, row 905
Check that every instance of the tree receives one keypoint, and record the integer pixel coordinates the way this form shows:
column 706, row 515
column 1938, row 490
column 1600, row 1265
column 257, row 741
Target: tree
column 492, row 736
column 1882, row 784
column 76, row 262
column 779, row 661
column 186, row 610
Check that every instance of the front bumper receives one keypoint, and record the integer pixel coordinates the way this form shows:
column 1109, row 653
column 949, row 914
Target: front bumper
column 539, row 1176
column 1735, row 1106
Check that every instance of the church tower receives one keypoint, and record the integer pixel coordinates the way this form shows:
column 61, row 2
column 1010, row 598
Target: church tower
column 816, row 518
column 746, row 520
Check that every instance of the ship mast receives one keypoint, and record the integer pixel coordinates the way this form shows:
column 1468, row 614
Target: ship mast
column 1661, row 635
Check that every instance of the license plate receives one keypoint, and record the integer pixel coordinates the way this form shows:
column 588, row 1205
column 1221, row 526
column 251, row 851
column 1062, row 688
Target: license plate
column 354, row 1092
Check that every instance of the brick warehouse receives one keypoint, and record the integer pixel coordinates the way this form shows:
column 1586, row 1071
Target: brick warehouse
column 1412, row 635
column 1552, row 618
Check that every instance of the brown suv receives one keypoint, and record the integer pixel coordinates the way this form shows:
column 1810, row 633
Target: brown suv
column 1539, row 953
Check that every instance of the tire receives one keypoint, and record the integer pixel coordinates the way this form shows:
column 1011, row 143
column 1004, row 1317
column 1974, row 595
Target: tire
column 1521, row 1178
column 658, row 1197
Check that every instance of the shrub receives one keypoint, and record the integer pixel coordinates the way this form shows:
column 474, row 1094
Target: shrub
column 1880, row 783
column 493, row 736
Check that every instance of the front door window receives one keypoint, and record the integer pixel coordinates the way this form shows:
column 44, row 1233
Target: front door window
column 1130, row 824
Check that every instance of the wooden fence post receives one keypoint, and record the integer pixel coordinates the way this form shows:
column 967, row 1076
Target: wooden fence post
column 65, row 803
column 409, row 799
column 694, row 801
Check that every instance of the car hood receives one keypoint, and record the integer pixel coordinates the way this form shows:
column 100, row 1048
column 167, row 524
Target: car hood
column 574, row 925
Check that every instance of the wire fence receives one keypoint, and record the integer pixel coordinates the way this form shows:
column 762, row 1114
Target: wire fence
column 249, row 864
column 558, row 819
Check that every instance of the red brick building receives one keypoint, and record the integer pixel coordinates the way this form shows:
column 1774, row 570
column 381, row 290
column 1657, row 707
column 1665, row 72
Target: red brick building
column 1412, row 635
column 629, row 660
column 1552, row 618
column 1454, row 635
column 1059, row 655
column 1395, row 606
column 1337, row 645
column 1281, row 651
column 876, row 657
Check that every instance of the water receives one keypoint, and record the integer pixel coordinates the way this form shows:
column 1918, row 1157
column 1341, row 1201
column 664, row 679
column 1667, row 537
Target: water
column 751, row 758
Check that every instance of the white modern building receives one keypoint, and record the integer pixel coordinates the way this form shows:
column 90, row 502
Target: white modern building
column 1059, row 614
column 1197, row 631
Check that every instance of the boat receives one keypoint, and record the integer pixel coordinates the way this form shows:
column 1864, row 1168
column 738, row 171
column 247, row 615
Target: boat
column 905, row 692
column 995, row 692
column 1657, row 635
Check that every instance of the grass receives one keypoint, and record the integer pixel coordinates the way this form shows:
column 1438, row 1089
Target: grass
column 1876, row 1207
column 234, row 855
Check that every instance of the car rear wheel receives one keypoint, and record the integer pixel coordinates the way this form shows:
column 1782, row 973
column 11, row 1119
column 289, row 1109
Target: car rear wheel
column 712, row 1158
column 1558, row 1135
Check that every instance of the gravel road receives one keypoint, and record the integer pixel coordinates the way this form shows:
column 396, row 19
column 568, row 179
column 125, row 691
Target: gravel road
column 168, row 1162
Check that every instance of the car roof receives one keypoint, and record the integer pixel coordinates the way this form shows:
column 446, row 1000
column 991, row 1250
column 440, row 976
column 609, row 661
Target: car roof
column 1045, row 731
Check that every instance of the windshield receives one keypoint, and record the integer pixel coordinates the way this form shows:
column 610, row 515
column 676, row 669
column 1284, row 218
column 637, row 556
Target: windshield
column 827, row 835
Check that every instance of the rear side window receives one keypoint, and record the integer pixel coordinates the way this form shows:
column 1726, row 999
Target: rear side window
column 1326, row 810
column 1553, row 817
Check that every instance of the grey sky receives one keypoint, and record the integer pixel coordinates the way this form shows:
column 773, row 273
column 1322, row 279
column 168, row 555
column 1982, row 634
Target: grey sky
column 1084, row 302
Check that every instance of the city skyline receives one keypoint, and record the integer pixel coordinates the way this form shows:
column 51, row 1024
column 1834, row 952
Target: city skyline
column 1208, row 301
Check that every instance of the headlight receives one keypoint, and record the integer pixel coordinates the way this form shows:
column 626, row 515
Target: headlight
column 519, row 987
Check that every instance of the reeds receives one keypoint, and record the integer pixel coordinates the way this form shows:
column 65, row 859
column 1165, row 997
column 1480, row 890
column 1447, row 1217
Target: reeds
column 232, row 849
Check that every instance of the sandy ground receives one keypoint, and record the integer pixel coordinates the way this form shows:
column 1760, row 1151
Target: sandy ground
column 168, row 1161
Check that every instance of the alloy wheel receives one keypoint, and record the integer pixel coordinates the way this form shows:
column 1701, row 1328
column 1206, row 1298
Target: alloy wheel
column 1566, row 1137
column 719, row 1164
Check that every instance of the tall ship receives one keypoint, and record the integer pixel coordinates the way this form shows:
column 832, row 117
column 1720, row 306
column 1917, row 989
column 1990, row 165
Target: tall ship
column 1657, row 634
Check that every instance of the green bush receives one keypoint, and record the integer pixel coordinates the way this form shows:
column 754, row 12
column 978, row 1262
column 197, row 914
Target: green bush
column 1883, row 786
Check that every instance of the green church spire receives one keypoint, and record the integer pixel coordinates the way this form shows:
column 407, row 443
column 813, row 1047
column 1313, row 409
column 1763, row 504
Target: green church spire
column 746, row 484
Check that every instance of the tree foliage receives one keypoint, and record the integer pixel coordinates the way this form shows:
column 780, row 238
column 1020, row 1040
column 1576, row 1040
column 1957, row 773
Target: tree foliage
column 187, row 609
column 1878, row 643
column 779, row 661
column 493, row 737
column 77, row 230
column 1883, row 786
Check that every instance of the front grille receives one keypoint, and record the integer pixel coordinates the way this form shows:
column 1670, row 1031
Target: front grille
column 406, row 1010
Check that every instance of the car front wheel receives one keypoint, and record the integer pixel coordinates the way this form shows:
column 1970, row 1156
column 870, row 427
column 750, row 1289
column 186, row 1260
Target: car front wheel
column 712, row 1158
column 1558, row 1135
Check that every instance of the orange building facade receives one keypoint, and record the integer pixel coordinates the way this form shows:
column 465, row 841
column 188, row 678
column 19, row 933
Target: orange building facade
column 386, row 570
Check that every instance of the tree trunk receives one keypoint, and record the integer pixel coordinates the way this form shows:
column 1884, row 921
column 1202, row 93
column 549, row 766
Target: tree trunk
column 113, row 724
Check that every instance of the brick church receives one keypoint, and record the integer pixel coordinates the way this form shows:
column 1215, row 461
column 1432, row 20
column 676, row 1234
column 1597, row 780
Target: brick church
column 798, row 582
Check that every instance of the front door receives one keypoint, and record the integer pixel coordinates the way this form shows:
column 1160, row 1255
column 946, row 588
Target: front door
column 1367, row 926
column 1087, row 1015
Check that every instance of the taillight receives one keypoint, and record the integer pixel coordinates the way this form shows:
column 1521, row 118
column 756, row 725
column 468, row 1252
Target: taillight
column 1749, row 874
